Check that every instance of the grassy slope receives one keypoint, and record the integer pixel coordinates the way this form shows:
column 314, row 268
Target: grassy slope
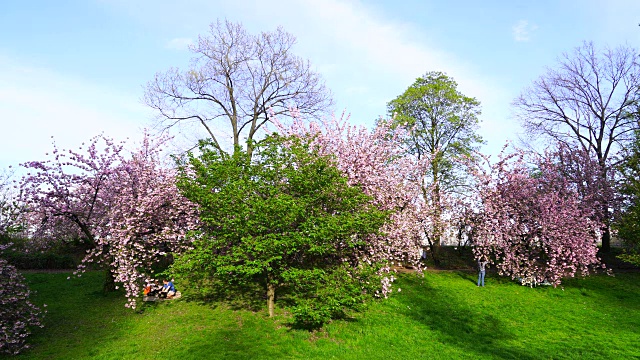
column 441, row 316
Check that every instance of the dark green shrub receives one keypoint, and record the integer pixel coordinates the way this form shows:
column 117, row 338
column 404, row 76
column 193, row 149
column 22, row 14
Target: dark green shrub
column 40, row 261
column 24, row 254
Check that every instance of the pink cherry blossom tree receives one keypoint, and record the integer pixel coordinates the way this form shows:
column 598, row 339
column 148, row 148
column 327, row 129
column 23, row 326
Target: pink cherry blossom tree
column 10, row 210
column 532, row 224
column 592, row 182
column 375, row 161
column 127, row 208
column 66, row 195
column 17, row 313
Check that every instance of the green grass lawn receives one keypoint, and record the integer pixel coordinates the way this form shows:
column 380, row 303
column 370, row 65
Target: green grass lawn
column 441, row 316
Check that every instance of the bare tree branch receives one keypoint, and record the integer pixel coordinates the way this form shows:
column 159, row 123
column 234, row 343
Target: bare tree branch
column 588, row 102
column 235, row 81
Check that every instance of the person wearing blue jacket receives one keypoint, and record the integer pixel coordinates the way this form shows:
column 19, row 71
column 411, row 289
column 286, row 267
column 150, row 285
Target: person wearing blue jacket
column 168, row 289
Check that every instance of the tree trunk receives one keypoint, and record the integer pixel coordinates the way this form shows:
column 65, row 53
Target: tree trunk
column 606, row 234
column 271, row 298
column 432, row 250
column 606, row 240
column 109, row 282
column 435, row 254
column 437, row 224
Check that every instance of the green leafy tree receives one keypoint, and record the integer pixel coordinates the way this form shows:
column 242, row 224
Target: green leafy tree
column 438, row 122
column 628, row 223
column 284, row 220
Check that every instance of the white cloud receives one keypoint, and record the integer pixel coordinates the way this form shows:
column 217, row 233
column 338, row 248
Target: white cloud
column 347, row 39
column 522, row 31
column 381, row 58
column 362, row 49
column 366, row 58
column 179, row 43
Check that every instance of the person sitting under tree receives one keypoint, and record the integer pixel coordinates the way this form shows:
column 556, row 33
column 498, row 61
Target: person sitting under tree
column 151, row 290
column 168, row 289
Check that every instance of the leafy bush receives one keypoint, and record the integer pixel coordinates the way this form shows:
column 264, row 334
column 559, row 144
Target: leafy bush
column 320, row 296
column 17, row 313
column 286, row 221
column 44, row 260
column 29, row 254
column 630, row 257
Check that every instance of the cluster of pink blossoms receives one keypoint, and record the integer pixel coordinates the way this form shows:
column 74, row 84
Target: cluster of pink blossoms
column 127, row 208
column 17, row 313
column 532, row 224
column 376, row 162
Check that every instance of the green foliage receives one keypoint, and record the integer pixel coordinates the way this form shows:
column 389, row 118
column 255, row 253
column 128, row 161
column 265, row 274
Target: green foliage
column 318, row 296
column 39, row 260
column 627, row 225
column 284, row 219
column 633, row 258
column 441, row 123
column 23, row 254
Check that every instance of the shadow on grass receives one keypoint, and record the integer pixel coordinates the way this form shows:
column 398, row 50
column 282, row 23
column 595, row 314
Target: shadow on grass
column 65, row 331
column 468, row 276
column 235, row 297
column 230, row 344
column 83, row 322
column 620, row 291
column 457, row 324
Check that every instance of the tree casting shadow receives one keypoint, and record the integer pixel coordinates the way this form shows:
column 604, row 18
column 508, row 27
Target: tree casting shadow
column 472, row 331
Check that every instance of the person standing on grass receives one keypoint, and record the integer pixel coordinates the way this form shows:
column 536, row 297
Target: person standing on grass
column 482, row 264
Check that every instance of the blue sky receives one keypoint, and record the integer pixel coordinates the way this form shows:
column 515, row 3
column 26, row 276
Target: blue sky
column 73, row 69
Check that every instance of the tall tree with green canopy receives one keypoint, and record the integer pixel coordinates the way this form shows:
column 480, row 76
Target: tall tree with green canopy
column 285, row 220
column 440, row 123
column 627, row 225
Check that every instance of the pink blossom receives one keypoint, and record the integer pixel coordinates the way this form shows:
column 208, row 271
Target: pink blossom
column 127, row 208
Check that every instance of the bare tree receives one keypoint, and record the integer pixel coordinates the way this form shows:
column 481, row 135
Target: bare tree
column 588, row 101
column 237, row 81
